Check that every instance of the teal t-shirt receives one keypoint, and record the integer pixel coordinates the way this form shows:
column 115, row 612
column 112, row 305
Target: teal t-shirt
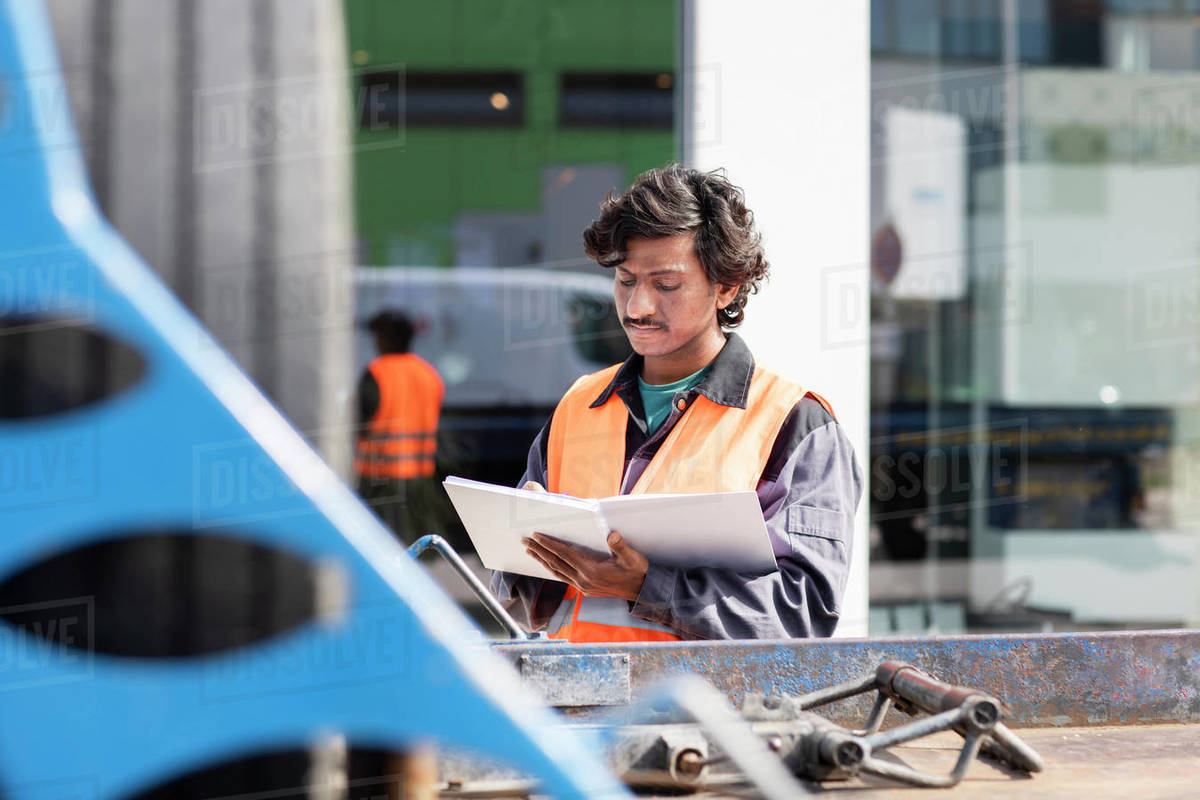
column 657, row 399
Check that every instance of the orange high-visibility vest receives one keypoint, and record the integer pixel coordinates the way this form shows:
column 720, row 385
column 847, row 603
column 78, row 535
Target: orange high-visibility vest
column 400, row 441
column 712, row 448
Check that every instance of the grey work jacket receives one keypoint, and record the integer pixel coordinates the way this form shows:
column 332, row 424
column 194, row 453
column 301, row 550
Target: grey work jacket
column 808, row 491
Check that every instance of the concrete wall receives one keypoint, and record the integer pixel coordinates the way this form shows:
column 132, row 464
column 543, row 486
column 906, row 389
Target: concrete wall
column 217, row 135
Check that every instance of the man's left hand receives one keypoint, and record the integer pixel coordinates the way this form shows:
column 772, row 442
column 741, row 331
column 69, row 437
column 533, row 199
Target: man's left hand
column 620, row 575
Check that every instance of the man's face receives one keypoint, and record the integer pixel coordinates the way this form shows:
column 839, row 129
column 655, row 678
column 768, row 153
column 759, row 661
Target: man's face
column 664, row 297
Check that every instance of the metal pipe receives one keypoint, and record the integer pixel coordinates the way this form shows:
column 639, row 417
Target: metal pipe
column 435, row 542
column 883, row 704
column 907, row 683
column 914, row 730
column 843, row 690
column 1009, row 747
column 899, row 772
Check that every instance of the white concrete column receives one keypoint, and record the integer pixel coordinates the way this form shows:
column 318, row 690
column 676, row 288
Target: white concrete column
column 778, row 94
column 219, row 140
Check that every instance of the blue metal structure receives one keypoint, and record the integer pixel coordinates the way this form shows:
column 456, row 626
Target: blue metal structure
column 397, row 665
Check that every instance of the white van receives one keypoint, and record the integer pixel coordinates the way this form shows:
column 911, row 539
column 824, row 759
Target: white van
column 506, row 341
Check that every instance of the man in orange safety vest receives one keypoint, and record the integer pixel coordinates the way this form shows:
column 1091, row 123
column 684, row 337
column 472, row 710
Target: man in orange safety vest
column 399, row 401
column 690, row 411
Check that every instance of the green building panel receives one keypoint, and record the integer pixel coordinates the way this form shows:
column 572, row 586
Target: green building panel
column 411, row 185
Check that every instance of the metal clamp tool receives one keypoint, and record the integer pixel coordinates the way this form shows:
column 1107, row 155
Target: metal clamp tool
column 814, row 748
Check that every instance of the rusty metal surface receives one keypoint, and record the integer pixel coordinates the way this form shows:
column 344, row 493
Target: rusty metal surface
column 1110, row 678
column 597, row 679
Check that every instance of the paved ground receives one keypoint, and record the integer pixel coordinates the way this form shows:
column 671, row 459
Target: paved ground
column 1130, row 763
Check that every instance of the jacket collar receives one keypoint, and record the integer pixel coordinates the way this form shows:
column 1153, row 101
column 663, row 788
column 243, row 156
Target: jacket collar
column 727, row 383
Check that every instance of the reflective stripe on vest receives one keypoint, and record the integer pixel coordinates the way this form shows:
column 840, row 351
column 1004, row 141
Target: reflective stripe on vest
column 711, row 448
column 401, row 439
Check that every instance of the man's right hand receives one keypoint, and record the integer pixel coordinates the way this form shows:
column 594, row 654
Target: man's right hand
column 534, row 486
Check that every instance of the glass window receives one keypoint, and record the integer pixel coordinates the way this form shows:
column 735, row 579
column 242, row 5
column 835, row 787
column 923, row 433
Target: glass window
column 394, row 98
column 881, row 26
column 1035, row 356
column 617, row 100
column 596, row 329
column 917, row 25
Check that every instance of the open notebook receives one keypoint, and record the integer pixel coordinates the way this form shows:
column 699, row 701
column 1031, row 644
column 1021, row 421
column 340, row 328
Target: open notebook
column 723, row 529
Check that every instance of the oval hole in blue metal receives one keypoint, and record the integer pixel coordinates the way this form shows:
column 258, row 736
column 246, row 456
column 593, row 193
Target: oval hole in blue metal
column 161, row 594
column 53, row 365
column 301, row 773
column 260, row 775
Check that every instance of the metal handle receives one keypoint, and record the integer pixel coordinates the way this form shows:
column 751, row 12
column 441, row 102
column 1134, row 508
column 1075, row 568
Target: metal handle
column 907, row 684
column 435, row 542
column 911, row 689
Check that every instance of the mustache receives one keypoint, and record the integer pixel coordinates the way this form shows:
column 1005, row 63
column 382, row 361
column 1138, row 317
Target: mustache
column 646, row 322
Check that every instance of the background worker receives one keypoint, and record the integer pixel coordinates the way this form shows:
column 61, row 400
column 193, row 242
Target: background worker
column 399, row 400
column 690, row 411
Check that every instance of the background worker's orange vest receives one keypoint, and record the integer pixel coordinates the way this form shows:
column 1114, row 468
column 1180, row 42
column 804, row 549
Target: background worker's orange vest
column 400, row 441
column 712, row 448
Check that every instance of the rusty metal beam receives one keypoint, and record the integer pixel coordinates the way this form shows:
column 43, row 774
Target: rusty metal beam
column 1109, row 678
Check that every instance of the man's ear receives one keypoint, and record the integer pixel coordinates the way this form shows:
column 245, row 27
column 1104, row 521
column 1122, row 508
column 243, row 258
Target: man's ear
column 726, row 295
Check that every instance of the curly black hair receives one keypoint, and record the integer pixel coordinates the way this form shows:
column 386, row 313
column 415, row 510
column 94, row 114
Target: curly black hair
column 674, row 200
